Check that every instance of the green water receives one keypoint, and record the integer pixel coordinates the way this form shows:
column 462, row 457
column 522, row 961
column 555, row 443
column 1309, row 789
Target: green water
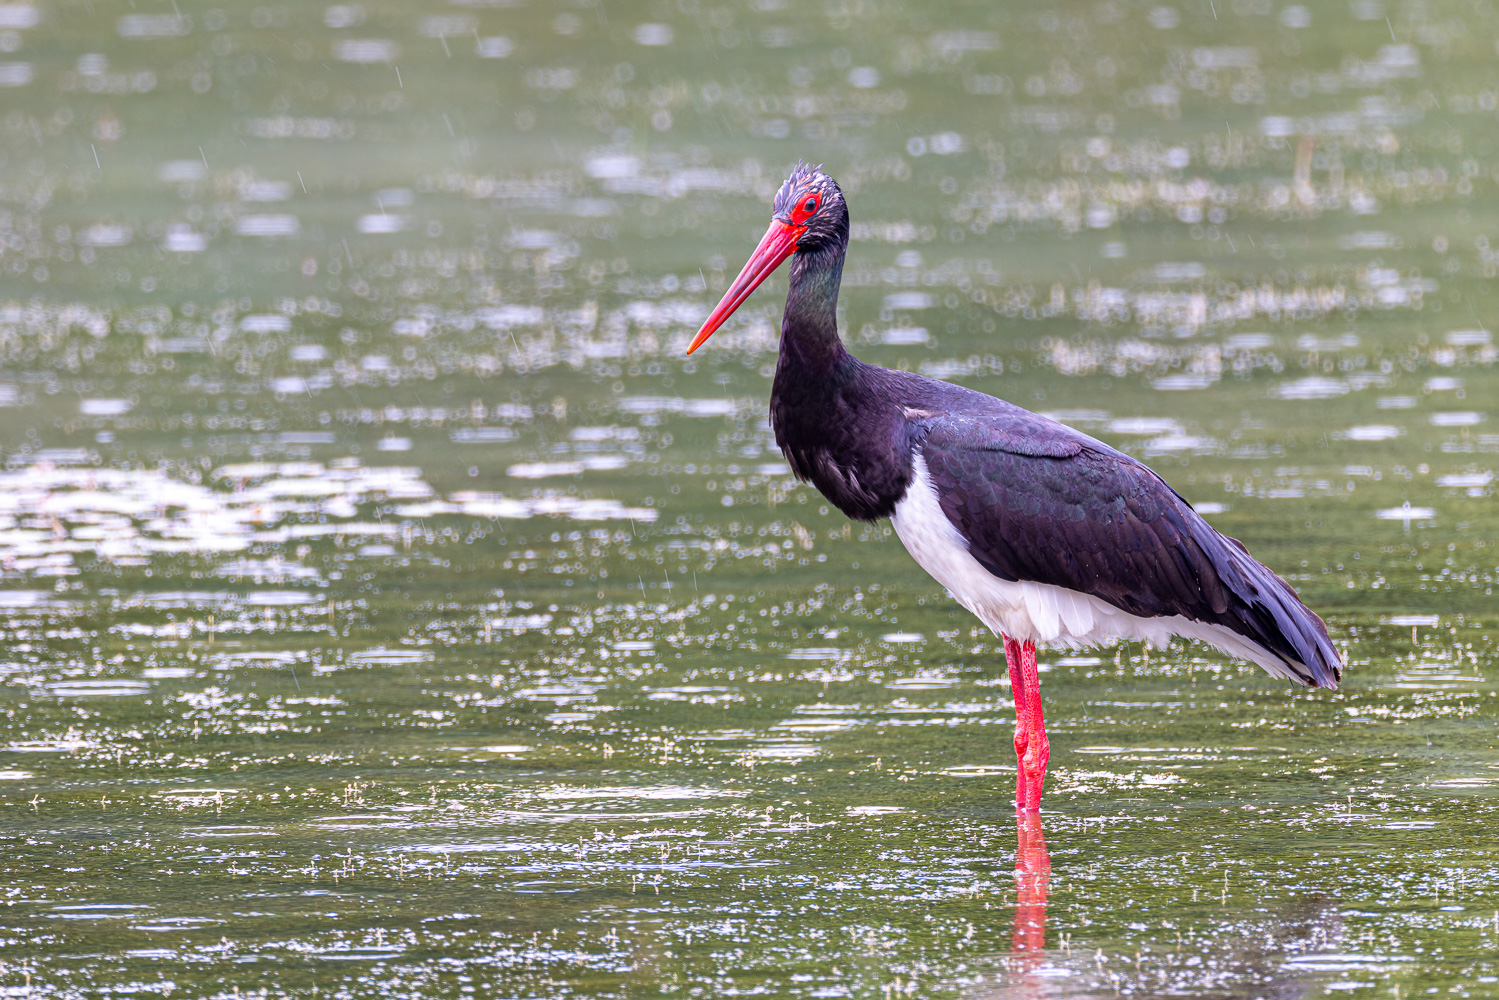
column 390, row 608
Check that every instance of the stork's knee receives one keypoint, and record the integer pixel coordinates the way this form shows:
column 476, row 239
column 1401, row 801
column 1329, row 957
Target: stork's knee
column 1036, row 755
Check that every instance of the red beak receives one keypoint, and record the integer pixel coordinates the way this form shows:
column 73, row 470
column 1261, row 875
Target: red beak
column 778, row 244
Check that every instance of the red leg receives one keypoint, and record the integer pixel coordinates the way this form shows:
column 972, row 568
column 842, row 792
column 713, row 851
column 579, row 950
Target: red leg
column 1032, row 748
column 1018, row 692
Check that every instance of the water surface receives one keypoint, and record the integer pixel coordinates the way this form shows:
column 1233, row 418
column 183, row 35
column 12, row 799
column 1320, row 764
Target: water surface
column 390, row 608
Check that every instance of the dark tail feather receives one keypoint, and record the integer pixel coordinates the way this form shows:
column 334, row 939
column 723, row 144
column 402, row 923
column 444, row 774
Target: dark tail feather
column 1267, row 611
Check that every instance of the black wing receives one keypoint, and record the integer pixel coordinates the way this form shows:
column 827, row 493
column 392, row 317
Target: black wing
column 1041, row 502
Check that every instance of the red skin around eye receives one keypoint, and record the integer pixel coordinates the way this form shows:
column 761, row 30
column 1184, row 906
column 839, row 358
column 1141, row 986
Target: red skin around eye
column 801, row 213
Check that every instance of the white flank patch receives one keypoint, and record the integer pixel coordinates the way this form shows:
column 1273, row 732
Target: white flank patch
column 1040, row 612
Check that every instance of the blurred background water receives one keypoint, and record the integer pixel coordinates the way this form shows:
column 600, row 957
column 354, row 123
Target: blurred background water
column 390, row 608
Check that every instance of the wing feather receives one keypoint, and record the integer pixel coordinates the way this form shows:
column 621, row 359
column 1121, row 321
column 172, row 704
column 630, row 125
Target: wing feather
column 1038, row 501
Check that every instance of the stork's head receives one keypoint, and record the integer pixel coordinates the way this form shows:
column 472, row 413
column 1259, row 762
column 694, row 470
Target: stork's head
column 808, row 215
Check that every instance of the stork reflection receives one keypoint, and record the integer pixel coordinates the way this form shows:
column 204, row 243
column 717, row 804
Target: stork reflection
column 1269, row 955
column 1033, row 884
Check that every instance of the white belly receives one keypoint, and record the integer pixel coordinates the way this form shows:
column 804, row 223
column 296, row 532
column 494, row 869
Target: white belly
column 1039, row 612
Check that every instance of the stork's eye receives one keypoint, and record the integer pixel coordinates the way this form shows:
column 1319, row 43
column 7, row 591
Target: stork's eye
column 808, row 208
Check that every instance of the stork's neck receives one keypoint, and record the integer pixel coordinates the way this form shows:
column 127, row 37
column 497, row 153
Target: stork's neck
column 809, row 327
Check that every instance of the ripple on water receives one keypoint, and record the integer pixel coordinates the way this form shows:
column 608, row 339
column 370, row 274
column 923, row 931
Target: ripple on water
column 1347, row 962
column 1407, row 513
column 1370, row 432
column 922, row 681
column 97, row 911
column 186, row 599
column 67, row 744
column 1312, row 387
column 169, row 924
column 264, row 658
column 358, row 821
column 976, row 770
column 1458, row 418
column 696, row 694
column 26, row 599
column 388, row 657
column 817, row 653
column 1182, row 382
column 1432, row 677
column 282, row 598
column 787, row 750
column 1412, row 621
column 642, row 793
column 817, row 725
column 228, row 831
column 108, row 688
column 358, row 954
column 561, row 694
column 183, row 798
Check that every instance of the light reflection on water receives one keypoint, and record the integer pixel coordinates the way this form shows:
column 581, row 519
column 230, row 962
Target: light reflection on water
column 389, row 606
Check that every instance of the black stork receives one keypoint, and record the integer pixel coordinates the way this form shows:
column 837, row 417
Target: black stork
column 1046, row 534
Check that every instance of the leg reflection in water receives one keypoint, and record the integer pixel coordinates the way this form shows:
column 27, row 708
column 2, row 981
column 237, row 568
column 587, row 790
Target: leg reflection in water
column 1033, row 883
column 1239, row 955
